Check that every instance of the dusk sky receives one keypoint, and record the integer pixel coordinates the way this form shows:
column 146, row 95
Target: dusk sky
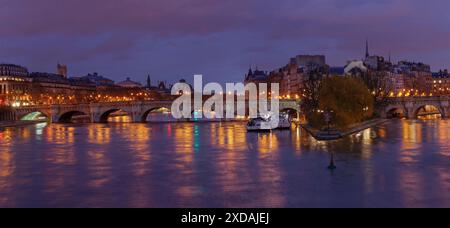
column 173, row 39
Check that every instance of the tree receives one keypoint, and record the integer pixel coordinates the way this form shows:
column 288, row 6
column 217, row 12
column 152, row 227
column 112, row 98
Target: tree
column 312, row 85
column 379, row 84
column 347, row 98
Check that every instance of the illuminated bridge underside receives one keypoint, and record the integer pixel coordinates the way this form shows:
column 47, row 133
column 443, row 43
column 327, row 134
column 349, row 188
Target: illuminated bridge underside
column 98, row 112
column 412, row 106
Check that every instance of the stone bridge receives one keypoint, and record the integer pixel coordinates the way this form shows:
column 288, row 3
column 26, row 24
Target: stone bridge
column 411, row 106
column 99, row 112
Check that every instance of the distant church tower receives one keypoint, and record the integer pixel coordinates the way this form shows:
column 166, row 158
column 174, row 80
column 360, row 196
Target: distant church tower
column 149, row 82
column 62, row 70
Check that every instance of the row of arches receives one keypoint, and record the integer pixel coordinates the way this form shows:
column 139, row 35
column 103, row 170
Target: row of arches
column 157, row 114
column 422, row 112
column 112, row 115
column 120, row 115
column 161, row 114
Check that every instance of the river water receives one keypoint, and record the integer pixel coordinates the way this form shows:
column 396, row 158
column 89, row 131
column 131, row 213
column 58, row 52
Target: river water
column 399, row 164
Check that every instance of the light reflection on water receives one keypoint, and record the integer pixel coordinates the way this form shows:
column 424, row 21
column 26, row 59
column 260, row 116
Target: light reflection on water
column 403, row 163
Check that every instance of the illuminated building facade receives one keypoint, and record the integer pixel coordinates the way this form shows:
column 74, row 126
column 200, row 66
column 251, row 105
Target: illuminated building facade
column 14, row 84
column 403, row 79
column 291, row 79
column 441, row 82
column 51, row 88
column 417, row 76
column 18, row 87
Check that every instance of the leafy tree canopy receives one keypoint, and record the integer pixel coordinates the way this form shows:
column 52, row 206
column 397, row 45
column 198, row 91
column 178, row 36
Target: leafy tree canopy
column 347, row 99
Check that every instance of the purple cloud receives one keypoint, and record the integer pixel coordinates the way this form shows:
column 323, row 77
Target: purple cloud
column 177, row 38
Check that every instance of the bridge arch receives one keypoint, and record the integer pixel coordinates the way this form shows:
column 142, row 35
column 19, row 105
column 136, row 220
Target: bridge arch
column 292, row 112
column 35, row 115
column 67, row 117
column 396, row 112
column 147, row 113
column 427, row 110
column 104, row 116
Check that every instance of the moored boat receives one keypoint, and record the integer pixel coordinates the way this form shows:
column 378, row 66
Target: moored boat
column 268, row 123
column 284, row 122
column 259, row 124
